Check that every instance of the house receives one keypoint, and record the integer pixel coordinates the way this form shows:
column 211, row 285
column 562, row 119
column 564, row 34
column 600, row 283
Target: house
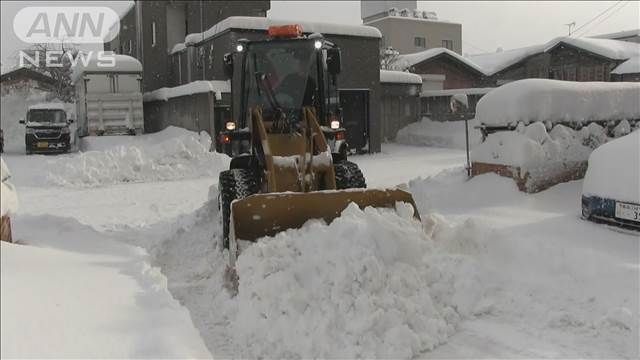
column 562, row 58
column 441, row 69
column 149, row 30
column 399, row 101
column 25, row 78
column 408, row 30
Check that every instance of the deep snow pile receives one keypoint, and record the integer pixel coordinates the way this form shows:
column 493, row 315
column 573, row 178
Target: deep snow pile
column 370, row 284
column 544, row 100
column 614, row 170
column 359, row 287
column 176, row 157
column 447, row 134
column 555, row 286
column 68, row 291
column 530, row 147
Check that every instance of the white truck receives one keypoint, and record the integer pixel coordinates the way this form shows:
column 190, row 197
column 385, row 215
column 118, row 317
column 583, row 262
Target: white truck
column 109, row 96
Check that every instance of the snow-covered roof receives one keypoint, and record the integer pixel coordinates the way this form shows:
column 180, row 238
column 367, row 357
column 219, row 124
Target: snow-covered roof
column 531, row 100
column 614, row 170
column 618, row 34
column 612, row 49
column 491, row 63
column 407, row 60
column 631, row 66
column 195, row 87
column 451, row 92
column 411, row 18
column 262, row 23
column 48, row 106
column 399, row 77
column 123, row 63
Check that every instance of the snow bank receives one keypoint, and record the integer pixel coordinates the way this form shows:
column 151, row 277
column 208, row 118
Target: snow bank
column 71, row 292
column 263, row 23
column 532, row 100
column 182, row 157
column 362, row 286
column 195, row 87
column 400, row 77
column 8, row 198
column 614, row 170
column 447, row 134
column 109, row 63
column 530, row 147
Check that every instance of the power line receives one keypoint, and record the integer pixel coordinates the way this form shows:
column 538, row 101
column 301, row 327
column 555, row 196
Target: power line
column 597, row 16
column 605, row 19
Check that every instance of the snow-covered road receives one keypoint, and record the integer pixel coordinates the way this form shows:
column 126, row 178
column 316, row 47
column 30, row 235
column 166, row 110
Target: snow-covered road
column 509, row 275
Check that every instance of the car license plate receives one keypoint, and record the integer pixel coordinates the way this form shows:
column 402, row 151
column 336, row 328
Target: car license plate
column 628, row 211
column 43, row 144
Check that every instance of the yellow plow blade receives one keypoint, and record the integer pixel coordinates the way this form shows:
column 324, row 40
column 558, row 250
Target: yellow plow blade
column 262, row 215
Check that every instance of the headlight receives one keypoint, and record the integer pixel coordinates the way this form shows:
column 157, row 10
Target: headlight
column 335, row 124
column 230, row 125
column 30, row 130
column 239, row 48
column 317, row 44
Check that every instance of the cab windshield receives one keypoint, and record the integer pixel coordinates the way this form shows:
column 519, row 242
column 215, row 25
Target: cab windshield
column 281, row 75
column 47, row 116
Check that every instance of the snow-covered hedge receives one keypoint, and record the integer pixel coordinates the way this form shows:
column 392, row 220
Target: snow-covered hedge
column 545, row 100
column 614, row 170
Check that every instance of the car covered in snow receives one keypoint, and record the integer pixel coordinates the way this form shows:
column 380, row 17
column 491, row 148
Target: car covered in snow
column 47, row 129
column 611, row 190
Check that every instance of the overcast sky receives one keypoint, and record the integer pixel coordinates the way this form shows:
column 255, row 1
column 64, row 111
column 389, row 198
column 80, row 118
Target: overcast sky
column 486, row 25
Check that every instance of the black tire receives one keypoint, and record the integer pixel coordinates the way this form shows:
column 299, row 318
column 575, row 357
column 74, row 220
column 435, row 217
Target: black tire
column 234, row 184
column 348, row 176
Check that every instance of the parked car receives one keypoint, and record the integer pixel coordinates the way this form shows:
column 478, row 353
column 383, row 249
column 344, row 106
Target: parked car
column 47, row 129
column 611, row 190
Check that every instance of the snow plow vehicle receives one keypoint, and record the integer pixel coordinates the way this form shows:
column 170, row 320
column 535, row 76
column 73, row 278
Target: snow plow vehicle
column 290, row 163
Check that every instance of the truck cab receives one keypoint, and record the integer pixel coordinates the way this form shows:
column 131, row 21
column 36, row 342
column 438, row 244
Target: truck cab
column 47, row 129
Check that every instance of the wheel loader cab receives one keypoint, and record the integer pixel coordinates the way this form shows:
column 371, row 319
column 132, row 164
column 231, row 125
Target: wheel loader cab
column 280, row 77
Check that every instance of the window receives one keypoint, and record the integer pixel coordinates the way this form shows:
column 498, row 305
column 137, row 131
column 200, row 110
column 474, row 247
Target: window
column 420, row 42
column 448, row 44
column 153, row 33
